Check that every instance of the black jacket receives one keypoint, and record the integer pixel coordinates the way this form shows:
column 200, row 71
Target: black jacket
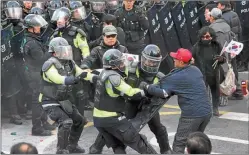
column 204, row 59
column 233, row 21
column 94, row 61
column 120, row 37
column 35, row 53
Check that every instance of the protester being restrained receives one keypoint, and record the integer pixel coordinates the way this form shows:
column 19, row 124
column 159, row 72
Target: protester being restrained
column 185, row 81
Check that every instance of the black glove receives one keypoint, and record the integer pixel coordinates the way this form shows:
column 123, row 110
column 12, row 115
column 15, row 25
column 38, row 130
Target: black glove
column 143, row 85
column 83, row 75
column 70, row 80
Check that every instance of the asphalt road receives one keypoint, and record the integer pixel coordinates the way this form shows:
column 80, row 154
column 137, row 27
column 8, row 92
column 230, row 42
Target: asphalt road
column 228, row 133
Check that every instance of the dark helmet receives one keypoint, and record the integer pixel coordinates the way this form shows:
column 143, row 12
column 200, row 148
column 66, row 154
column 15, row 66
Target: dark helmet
column 151, row 58
column 39, row 5
column 75, row 4
column 78, row 10
column 33, row 20
column 98, row 7
column 113, row 58
column 61, row 48
column 13, row 10
column 112, row 4
column 60, row 13
column 36, row 10
column 52, row 6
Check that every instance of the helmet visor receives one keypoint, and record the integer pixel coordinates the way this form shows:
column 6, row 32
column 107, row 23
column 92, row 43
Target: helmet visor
column 112, row 4
column 64, row 52
column 98, row 7
column 119, row 63
column 150, row 64
column 39, row 5
column 38, row 21
column 14, row 12
column 79, row 13
column 59, row 15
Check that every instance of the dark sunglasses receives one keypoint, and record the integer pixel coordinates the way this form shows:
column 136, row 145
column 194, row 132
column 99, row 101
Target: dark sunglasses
column 206, row 37
column 111, row 36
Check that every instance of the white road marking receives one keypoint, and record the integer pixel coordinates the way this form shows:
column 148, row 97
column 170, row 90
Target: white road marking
column 153, row 140
column 235, row 116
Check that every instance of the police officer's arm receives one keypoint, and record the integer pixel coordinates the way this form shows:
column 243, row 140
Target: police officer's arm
column 87, row 76
column 143, row 20
column 50, row 74
column 125, row 90
column 83, row 45
column 91, row 59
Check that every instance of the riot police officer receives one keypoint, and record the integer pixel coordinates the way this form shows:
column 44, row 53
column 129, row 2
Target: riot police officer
column 109, row 104
column 11, row 84
column 98, row 12
column 14, row 13
column 59, row 74
column 52, row 6
column 79, row 14
column 34, row 56
column 146, row 70
column 112, row 6
column 76, row 37
column 133, row 21
column 39, row 11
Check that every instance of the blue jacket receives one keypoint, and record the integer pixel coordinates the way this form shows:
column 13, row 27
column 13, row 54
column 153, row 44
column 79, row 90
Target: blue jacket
column 188, row 84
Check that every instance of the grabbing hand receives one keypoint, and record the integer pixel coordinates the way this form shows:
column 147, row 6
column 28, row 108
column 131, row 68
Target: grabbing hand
column 143, row 85
column 219, row 58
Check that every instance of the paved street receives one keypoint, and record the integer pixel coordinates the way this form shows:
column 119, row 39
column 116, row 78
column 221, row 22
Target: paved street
column 228, row 133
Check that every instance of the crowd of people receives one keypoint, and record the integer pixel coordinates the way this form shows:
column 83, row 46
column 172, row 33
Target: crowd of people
column 53, row 63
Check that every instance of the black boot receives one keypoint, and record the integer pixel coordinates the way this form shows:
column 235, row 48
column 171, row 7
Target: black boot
column 48, row 126
column 74, row 137
column 98, row 145
column 163, row 143
column 63, row 134
column 41, row 132
column 16, row 119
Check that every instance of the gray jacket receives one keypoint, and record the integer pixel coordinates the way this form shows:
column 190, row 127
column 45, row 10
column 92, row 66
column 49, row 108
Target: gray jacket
column 222, row 30
column 233, row 21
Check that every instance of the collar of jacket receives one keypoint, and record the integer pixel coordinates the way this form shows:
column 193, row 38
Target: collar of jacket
column 226, row 10
column 33, row 35
column 102, row 44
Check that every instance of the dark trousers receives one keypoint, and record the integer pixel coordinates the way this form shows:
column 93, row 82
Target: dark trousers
column 215, row 90
column 160, row 132
column 238, row 91
column 70, row 125
column 123, row 133
column 185, row 127
column 11, row 104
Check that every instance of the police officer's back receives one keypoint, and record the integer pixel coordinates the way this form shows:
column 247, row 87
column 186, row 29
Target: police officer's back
column 75, row 36
column 111, row 90
column 134, row 22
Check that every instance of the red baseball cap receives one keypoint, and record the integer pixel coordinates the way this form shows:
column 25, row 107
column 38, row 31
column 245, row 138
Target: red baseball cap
column 182, row 55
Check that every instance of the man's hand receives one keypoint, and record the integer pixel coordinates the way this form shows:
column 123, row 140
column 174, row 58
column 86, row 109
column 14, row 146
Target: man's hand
column 143, row 85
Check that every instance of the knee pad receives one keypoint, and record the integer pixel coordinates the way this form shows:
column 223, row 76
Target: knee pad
column 67, row 123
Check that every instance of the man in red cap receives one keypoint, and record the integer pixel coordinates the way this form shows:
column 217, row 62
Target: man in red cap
column 185, row 81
